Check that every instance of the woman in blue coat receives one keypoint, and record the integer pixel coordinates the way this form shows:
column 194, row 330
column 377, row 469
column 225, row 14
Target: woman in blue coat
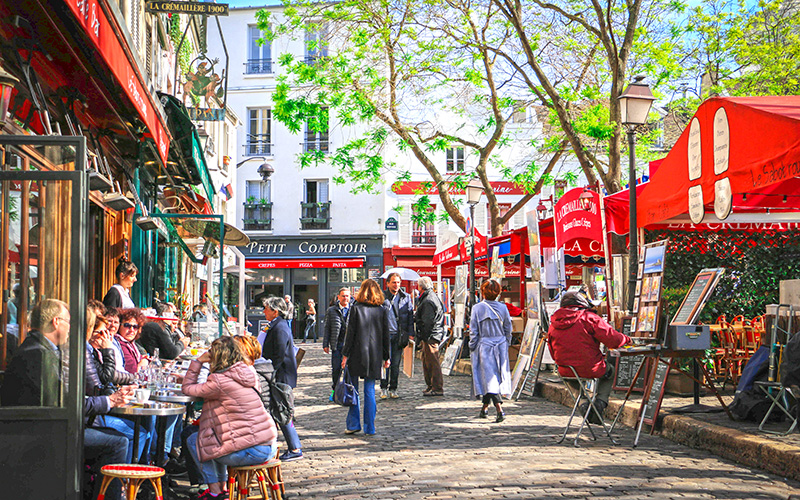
column 489, row 338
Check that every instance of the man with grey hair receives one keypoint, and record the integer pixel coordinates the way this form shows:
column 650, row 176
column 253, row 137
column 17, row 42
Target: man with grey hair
column 289, row 310
column 429, row 321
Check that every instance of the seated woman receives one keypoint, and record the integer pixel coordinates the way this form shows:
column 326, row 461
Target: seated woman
column 234, row 428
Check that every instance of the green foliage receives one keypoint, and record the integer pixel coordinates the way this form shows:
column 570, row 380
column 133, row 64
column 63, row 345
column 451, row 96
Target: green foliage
column 755, row 263
column 594, row 122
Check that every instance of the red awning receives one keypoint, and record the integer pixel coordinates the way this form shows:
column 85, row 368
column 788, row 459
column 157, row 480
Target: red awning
column 750, row 143
column 446, row 255
column 303, row 264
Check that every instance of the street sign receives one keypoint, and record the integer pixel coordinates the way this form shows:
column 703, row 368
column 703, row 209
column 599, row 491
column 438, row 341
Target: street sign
column 391, row 224
column 206, row 9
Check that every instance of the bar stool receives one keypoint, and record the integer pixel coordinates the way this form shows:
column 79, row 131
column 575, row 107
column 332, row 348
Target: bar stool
column 132, row 477
column 268, row 475
column 579, row 394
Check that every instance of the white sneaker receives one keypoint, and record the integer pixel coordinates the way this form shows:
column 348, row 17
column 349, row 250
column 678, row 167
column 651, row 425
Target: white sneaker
column 384, row 394
column 393, row 395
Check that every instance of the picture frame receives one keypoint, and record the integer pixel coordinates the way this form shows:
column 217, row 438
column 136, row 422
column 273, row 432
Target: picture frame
column 526, row 347
column 645, row 293
column 695, row 297
column 655, row 289
column 654, row 258
column 636, row 304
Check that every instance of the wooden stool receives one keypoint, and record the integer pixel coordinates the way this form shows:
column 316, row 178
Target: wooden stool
column 268, row 475
column 132, row 476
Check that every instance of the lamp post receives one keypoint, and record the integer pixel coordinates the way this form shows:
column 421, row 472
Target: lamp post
column 635, row 105
column 474, row 190
column 541, row 208
column 265, row 170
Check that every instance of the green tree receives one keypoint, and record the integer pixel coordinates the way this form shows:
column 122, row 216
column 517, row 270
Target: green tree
column 418, row 77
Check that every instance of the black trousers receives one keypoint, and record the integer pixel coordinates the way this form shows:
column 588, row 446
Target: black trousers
column 393, row 373
column 492, row 398
column 336, row 365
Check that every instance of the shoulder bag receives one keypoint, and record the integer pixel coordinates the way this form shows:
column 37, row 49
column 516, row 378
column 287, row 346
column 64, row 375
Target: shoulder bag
column 345, row 393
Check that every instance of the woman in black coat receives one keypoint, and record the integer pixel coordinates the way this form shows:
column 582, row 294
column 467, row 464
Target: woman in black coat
column 366, row 349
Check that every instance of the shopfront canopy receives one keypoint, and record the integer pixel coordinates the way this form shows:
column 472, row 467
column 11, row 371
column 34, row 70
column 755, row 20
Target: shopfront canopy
column 738, row 154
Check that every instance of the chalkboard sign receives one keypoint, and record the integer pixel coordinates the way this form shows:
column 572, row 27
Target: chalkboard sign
column 626, row 369
column 694, row 298
column 657, row 390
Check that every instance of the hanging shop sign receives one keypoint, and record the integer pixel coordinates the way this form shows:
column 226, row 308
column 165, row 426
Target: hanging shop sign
column 304, row 264
column 206, row 9
column 578, row 228
column 206, row 114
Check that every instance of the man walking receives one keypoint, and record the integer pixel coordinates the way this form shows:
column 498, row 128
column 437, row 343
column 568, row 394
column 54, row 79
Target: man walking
column 429, row 321
column 403, row 310
column 290, row 307
column 333, row 337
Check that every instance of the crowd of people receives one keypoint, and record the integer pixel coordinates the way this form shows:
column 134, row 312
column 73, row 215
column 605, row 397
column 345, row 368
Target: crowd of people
column 365, row 335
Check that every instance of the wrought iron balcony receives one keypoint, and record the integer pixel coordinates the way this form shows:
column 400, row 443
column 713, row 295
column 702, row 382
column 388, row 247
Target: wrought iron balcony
column 258, row 216
column 420, row 238
column 258, row 66
column 315, row 215
column 317, row 145
column 258, row 149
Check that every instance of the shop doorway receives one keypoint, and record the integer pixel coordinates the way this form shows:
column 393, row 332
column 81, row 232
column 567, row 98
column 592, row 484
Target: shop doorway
column 300, row 296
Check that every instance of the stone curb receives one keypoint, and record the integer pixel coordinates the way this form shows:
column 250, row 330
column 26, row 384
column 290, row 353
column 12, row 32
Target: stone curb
column 748, row 449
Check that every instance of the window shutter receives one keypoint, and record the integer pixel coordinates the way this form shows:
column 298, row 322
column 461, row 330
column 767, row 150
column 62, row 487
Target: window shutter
column 322, row 191
column 480, row 218
column 404, row 228
column 518, row 219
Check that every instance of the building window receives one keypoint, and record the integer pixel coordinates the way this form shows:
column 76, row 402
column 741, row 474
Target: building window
column 259, row 56
column 455, row 159
column 504, row 208
column 316, row 206
column 425, row 233
column 259, row 132
column 316, row 42
column 316, row 140
column 258, row 206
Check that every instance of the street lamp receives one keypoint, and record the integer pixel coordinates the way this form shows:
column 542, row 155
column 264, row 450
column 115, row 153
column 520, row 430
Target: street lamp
column 541, row 208
column 585, row 199
column 474, row 190
column 265, row 170
column 635, row 105
column 7, row 82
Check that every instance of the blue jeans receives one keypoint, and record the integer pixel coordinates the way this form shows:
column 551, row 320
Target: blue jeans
column 370, row 408
column 393, row 373
column 291, row 437
column 310, row 328
column 216, row 470
column 105, row 446
column 125, row 427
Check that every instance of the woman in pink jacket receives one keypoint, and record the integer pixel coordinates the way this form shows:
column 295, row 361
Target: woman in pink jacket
column 235, row 429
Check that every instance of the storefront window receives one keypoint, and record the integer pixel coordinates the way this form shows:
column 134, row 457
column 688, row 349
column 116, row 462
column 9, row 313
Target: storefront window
column 264, row 283
column 305, row 275
column 346, row 275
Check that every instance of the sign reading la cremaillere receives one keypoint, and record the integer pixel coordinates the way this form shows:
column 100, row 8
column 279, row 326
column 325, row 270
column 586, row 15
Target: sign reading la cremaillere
column 206, row 9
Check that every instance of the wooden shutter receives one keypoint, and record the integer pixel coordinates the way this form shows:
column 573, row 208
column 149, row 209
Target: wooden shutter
column 405, row 225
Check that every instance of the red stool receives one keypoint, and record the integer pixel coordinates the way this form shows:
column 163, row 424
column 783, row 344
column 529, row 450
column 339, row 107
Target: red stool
column 132, row 477
column 268, row 475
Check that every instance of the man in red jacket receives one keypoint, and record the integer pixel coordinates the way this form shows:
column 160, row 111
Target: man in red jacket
column 574, row 338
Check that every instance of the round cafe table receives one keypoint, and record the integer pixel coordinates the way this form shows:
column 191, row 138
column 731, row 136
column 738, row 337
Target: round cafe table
column 155, row 409
column 173, row 397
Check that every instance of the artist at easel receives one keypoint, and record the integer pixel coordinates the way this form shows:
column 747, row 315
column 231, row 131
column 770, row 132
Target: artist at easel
column 574, row 338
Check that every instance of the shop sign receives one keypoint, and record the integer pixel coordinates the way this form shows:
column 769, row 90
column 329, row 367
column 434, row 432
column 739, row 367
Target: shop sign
column 99, row 29
column 429, row 188
column 313, row 247
column 573, row 222
column 391, row 224
column 206, row 114
column 206, row 9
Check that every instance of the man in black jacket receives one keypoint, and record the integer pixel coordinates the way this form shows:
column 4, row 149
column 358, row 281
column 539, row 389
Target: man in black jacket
column 429, row 321
column 403, row 310
column 333, row 337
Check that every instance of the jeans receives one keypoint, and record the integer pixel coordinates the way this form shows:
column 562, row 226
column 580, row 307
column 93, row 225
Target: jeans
column 125, row 427
column 393, row 373
column 150, row 423
column 291, row 437
column 216, row 470
column 353, row 422
column 310, row 328
column 336, row 365
column 105, row 446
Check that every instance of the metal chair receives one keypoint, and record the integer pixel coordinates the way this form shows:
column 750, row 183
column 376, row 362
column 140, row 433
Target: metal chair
column 584, row 388
column 774, row 388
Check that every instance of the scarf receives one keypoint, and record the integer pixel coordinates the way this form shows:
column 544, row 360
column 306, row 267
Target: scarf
column 130, row 354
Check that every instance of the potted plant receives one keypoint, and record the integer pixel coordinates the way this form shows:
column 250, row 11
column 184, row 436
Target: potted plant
column 263, row 201
column 250, row 201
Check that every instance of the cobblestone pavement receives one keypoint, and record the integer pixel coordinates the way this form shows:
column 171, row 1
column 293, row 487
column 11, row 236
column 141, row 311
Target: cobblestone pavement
column 436, row 448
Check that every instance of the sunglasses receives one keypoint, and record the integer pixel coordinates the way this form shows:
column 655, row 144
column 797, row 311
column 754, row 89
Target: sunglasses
column 132, row 326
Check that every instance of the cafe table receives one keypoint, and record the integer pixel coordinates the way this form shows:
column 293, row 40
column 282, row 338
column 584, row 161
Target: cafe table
column 161, row 411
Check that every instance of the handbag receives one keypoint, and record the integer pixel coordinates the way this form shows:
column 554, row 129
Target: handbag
column 281, row 402
column 345, row 393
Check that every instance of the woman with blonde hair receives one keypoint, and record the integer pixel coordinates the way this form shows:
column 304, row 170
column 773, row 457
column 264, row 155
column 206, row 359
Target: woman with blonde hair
column 234, row 428
column 311, row 320
column 366, row 349
column 489, row 338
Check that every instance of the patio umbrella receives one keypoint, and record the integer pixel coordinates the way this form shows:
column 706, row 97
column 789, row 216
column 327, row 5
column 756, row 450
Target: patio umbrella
column 405, row 273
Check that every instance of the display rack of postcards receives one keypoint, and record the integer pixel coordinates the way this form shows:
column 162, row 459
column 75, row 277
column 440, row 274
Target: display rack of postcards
column 649, row 283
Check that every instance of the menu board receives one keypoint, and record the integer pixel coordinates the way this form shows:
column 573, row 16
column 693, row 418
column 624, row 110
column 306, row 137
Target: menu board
column 626, row 369
column 656, row 390
column 699, row 291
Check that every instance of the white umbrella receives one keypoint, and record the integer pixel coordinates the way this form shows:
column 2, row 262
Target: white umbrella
column 405, row 273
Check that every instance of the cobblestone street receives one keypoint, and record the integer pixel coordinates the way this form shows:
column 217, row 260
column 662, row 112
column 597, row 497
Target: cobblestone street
column 438, row 448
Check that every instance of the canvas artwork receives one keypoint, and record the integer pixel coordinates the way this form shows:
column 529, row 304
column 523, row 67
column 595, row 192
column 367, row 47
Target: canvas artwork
column 497, row 268
column 523, row 362
column 646, row 283
column 460, row 287
column 642, row 319
column 655, row 289
column 526, row 348
column 532, row 300
column 636, row 304
column 654, row 259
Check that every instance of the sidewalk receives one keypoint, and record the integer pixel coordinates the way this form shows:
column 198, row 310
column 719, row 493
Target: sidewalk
column 739, row 441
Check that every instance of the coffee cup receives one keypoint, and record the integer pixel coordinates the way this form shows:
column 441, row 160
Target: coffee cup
column 142, row 395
